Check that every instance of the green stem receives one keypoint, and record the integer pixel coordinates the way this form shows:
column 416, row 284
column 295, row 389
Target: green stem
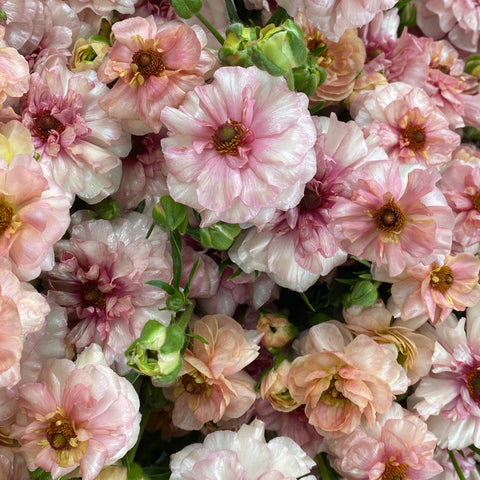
column 184, row 319
column 211, row 28
column 323, row 468
column 474, row 449
column 455, row 465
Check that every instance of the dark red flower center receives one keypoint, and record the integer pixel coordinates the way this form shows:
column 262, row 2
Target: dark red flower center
column 45, row 124
column 476, row 201
column 93, row 297
column 228, row 137
column 389, row 217
column 149, row 63
column 473, row 383
column 415, row 137
column 311, row 200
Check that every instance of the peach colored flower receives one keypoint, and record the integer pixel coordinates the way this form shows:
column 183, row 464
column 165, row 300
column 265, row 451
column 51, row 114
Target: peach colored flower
column 342, row 381
column 156, row 64
column 342, row 60
column 212, row 385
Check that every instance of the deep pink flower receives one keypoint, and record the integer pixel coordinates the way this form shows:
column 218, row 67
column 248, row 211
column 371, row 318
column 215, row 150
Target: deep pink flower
column 212, row 385
column 404, row 121
column 398, row 445
column 242, row 455
column 393, row 214
column 74, row 137
column 77, row 415
column 101, row 277
column 155, row 63
column 240, row 147
column 343, row 381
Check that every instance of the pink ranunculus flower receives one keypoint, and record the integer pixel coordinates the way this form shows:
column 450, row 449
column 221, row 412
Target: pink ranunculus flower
column 244, row 454
column 240, row 147
column 449, row 397
column 297, row 247
column 406, row 123
column 459, row 20
column 74, row 137
column 343, row 381
column 437, row 289
column 155, row 63
column 460, row 183
column 333, row 17
column 77, row 415
column 100, row 277
column 397, row 445
column 34, row 214
column 104, row 7
column 212, row 384
column 393, row 215
column 14, row 73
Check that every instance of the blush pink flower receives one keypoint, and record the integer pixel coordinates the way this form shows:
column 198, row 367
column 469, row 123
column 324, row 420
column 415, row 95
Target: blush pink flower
column 240, row 147
column 104, row 7
column 297, row 246
column 403, row 120
column 449, row 397
column 74, row 137
column 156, row 64
column 14, row 73
column 343, row 381
column 100, row 277
column 34, row 214
column 459, row 20
column 437, row 289
column 242, row 455
column 460, row 183
column 77, row 415
column 333, row 17
column 398, row 445
column 212, row 385
column 393, row 215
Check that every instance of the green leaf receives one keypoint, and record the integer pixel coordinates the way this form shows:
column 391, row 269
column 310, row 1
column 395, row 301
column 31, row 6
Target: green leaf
column 305, row 299
column 41, row 474
column 219, row 236
column 232, row 11
column 170, row 215
column 186, row 290
column 186, row 8
column 278, row 17
column 163, row 285
column 134, row 472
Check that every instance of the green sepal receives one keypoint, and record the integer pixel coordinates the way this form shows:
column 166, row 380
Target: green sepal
column 186, row 8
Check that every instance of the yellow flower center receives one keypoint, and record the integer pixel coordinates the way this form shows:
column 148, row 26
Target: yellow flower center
column 415, row 137
column 441, row 278
column 394, row 471
column 228, row 137
column 194, row 383
column 389, row 217
column 45, row 124
column 476, row 201
column 148, row 63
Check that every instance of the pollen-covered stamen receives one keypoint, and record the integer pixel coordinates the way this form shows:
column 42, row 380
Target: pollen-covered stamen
column 93, row 297
column 389, row 217
column 318, row 47
column 195, row 383
column 476, row 201
column 148, row 63
column 6, row 216
column 414, row 137
column 441, row 278
column 228, row 137
column 45, row 124
column 60, row 434
column 394, row 471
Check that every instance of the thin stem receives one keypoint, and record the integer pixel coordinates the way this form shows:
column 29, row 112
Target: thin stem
column 323, row 468
column 131, row 454
column 455, row 465
column 183, row 321
column 211, row 28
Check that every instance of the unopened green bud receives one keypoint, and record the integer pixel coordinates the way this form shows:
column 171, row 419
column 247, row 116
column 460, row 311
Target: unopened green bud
column 153, row 335
column 235, row 50
column 364, row 293
column 472, row 65
column 175, row 301
column 107, row 209
column 186, row 8
column 170, row 215
column 283, row 46
column 308, row 77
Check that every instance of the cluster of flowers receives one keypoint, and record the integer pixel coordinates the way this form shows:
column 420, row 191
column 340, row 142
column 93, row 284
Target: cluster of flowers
column 239, row 240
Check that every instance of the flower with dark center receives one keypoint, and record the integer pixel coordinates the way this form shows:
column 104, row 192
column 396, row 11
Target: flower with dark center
column 394, row 471
column 476, row 201
column 415, row 137
column 228, row 137
column 45, row 124
column 441, row 278
column 473, row 383
column 148, row 63
column 6, row 216
column 389, row 217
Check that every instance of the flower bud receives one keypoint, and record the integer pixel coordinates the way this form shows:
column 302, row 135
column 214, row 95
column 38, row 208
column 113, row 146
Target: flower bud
column 113, row 472
column 88, row 54
column 363, row 293
column 472, row 65
column 158, row 351
column 277, row 330
column 235, row 51
column 273, row 388
column 107, row 209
